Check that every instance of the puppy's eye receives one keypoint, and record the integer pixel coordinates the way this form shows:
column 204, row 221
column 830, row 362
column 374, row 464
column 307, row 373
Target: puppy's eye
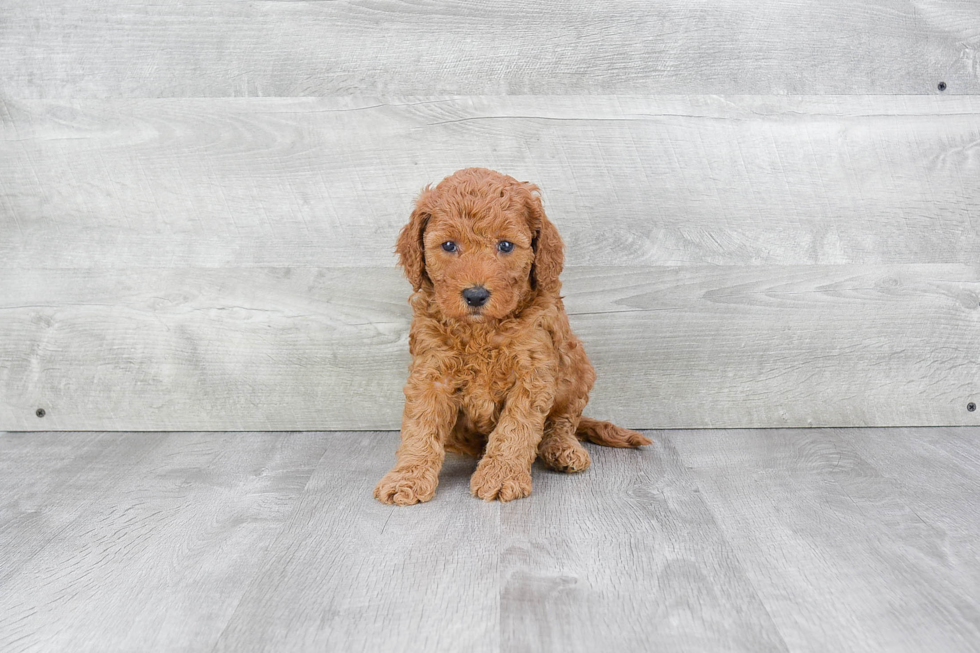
column 505, row 246
column 449, row 246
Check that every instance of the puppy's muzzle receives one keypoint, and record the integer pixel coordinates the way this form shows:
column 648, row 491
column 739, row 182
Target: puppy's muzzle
column 476, row 296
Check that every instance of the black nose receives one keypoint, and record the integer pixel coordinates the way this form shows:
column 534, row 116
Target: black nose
column 476, row 296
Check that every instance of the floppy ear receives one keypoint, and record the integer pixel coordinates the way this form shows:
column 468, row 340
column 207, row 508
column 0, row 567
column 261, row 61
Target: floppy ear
column 549, row 250
column 410, row 246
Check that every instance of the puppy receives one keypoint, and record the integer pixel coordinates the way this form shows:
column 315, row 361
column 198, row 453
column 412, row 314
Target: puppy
column 496, row 371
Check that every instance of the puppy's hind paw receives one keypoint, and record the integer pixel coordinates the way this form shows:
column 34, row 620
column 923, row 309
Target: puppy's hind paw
column 568, row 458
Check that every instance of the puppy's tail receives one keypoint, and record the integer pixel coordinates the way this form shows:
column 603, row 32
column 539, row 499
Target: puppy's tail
column 609, row 435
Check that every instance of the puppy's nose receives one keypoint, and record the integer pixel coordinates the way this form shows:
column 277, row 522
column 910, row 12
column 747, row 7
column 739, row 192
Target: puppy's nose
column 476, row 295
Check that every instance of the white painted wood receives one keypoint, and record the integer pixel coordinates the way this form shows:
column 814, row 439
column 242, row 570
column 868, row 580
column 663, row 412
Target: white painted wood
column 772, row 540
column 304, row 348
column 115, row 48
column 628, row 180
column 824, row 532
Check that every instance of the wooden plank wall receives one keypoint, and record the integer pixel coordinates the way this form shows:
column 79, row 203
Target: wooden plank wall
column 772, row 211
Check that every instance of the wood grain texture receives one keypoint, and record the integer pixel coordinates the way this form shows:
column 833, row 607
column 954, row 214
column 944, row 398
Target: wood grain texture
column 162, row 545
column 348, row 573
column 932, row 471
column 776, row 540
column 222, row 348
column 805, row 508
column 226, row 349
column 783, row 346
column 646, row 180
column 49, row 480
column 127, row 48
column 626, row 555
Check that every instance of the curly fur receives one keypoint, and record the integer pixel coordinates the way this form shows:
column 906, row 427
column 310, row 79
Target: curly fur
column 507, row 380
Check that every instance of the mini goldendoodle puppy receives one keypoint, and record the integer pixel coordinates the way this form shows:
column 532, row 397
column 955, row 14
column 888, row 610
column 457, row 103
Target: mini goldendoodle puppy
column 496, row 370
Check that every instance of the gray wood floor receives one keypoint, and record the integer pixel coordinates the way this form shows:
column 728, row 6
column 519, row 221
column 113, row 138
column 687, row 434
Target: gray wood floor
column 746, row 540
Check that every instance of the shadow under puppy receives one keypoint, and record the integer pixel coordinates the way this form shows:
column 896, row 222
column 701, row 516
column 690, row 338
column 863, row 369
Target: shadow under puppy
column 496, row 370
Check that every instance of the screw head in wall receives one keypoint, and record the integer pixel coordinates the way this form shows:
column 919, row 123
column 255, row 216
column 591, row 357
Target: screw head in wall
column 942, row 86
column 971, row 406
column 40, row 412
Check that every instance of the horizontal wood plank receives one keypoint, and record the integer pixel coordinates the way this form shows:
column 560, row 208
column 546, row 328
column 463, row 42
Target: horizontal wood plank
column 628, row 180
column 221, row 348
column 274, row 348
column 128, row 48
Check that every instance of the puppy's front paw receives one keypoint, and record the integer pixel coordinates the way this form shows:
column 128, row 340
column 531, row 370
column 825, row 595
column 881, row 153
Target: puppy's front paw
column 494, row 479
column 407, row 486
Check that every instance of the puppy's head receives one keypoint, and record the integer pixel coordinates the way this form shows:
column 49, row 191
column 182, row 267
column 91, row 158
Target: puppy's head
column 481, row 245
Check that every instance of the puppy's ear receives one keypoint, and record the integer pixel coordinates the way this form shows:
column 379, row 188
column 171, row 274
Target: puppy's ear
column 410, row 247
column 549, row 250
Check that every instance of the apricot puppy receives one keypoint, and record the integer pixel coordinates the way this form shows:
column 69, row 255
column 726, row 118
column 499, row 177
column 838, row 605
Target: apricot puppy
column 496, row 370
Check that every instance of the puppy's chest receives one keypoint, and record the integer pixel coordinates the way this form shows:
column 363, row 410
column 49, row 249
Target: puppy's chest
column 491, row 372
column 486, row 376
